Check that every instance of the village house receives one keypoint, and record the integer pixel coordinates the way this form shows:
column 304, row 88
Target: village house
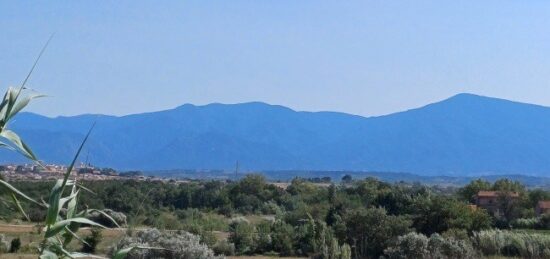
column 543, row 207
column 493, row 201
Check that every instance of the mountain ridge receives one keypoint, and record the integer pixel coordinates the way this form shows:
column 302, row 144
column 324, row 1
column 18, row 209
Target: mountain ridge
column 463, row 134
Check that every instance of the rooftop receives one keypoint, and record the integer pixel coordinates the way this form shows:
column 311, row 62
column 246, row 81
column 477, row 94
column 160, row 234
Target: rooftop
column 544, row 204
column 496, row 194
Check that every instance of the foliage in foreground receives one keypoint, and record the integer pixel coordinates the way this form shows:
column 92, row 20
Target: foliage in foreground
column 176, row 244
column 62, row 219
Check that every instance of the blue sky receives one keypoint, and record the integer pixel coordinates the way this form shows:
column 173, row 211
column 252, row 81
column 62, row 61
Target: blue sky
column 361, row 57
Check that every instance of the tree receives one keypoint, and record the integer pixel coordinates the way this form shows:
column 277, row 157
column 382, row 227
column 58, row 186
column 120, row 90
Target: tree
column 469, row 191
column 505, row 185
column 264, row 242
column 372, row 230
column 347, row 178
column 537, row 195
column 411, row 246
column 283, row 238
column 438, row 214
column 243, row 235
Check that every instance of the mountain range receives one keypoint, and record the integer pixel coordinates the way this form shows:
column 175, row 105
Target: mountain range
column 464, row 135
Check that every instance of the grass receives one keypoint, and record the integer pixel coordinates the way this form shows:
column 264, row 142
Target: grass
column 30, row 238
column 533, row 231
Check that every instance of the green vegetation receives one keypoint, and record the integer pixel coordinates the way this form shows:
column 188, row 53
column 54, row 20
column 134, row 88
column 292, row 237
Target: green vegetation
column 62, row 218
column 367, row 218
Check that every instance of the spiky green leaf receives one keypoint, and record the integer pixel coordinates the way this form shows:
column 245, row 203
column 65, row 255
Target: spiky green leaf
column 60, row 225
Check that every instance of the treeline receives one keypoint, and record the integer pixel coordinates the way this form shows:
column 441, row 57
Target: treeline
column 364, row 218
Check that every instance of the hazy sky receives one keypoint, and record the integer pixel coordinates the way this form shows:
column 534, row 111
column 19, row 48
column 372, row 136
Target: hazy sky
column 361, row 57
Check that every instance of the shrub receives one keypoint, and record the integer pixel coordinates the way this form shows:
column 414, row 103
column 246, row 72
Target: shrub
column 508, row 243
column 223, row 247
column 543, row 222
column 3, row 244
column 243, row 235
column 372, row 230
column 283, row 238
column 15, row 245
column 412, row 245
column 457, row 234
column 440, row 247
column 37, row 214
column 208, row 238
column 176, row 244
column 264, row 241
column 523, row 223
column 92, row 241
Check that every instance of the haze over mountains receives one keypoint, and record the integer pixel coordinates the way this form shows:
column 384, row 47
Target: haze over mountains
column 465, row 134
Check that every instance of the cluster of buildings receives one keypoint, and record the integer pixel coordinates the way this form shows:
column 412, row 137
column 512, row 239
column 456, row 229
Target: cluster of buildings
column 496, row 202
column 36, row 172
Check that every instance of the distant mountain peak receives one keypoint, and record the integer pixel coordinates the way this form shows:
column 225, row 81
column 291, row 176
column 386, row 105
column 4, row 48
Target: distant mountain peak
column 464, row 134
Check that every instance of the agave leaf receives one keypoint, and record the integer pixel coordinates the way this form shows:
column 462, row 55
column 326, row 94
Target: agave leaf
column 22, row 103
column 16, row 95
column 18, row 205
column 4, row 145
column 69, row 234
column 4, row 105
column 59, row 187
column 14, row 190
column 104, row 214
column 71, row 206
column 70, row 168
column 60, row 225
column 86, row 189
column 53, row 201
column 18, row 143
column 73, row 227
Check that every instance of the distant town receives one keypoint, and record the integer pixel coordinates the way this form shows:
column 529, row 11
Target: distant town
column 36, row 172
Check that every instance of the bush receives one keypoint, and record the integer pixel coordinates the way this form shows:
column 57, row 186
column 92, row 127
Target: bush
column 223, row 247
column 177, row 244
column 243, row 235
column 208, row 238
column 523, row 223
column 92, row 241
column 440, row 247
column 414, row 245
column 283, row 238
column 3, row 244
column 457, row 234
column 15, row 245
column 411, row 245
column 498, row 242
column 372, row 230
column 543, row 222
column 36, row 214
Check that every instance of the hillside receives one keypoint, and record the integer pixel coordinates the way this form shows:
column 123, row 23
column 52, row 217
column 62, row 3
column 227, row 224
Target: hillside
column 465, row 134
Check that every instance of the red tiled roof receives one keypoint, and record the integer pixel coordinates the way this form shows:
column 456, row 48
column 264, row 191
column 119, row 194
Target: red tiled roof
column 544, row 204
column 495, row 194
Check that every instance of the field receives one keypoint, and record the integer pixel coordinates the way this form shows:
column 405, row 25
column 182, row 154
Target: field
column 29, row 235
column 29, row 238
